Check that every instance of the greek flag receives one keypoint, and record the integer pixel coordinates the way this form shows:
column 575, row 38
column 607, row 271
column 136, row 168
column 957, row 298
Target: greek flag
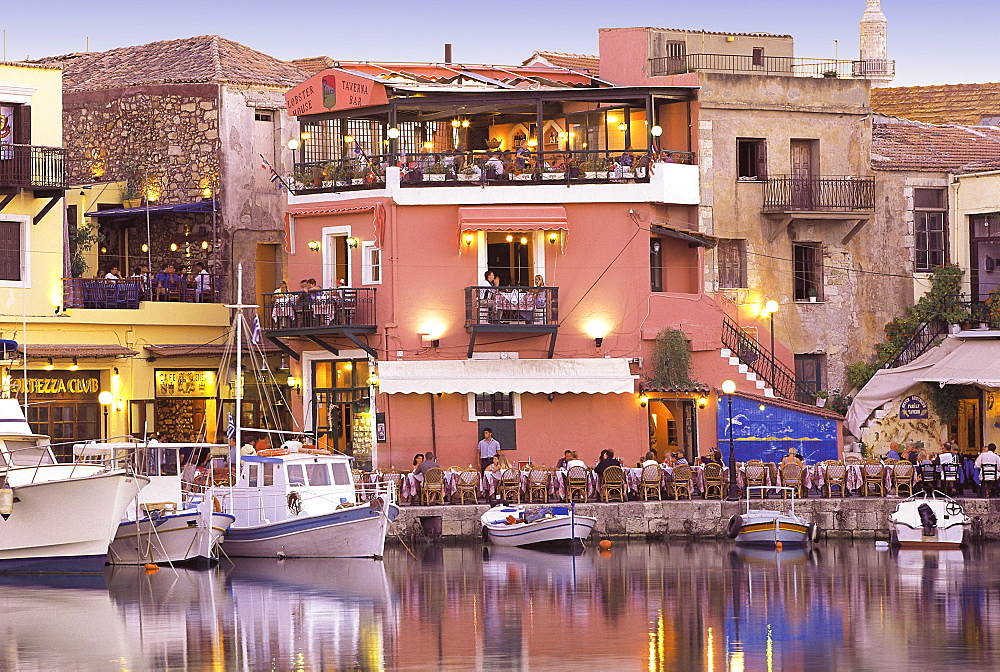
column 231, row 428
column 255, row 334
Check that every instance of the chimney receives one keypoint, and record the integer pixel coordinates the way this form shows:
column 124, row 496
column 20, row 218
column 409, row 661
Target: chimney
column 447, row 53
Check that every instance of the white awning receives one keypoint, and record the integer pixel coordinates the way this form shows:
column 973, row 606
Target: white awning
column 973, row 362
column 525, row 376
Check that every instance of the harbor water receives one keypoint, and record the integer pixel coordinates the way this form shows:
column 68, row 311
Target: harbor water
column 640, row 606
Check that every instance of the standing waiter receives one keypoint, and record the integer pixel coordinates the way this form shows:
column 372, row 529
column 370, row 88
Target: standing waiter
column 488, row 448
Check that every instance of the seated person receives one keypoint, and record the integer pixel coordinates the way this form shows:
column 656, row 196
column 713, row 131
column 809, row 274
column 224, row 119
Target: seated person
column 564, row 460
column 417, row 459
column 893, row 452
column 576, row 462
column 427, row 464
column 988, row 456
column 650, row 460
column 791, row 458
column 678, row 459
column 496, row 466
column 607, row 460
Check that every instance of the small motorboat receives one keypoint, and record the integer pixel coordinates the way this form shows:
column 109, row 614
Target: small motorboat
column 526, row 525
column 767, row 527
column 932, row 520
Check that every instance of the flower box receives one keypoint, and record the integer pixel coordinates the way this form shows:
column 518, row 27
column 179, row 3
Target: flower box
column 553, row 176
column 434, row 177
column 596, row 175
column 468, row 178
column 523, row 177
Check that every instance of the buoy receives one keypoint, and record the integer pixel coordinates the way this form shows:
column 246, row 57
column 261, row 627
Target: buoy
column 152, row 565
column 6, row 500
column 778, row 546
column 605, row 544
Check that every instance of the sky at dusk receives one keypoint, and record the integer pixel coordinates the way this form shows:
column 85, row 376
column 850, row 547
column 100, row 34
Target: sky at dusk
column 932, row 42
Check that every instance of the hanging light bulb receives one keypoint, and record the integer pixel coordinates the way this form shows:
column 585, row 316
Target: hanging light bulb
column 173, row 247
column 204, row 244
column 145, row 247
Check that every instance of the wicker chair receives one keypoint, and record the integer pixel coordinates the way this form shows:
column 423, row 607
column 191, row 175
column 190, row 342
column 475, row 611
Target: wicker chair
column 873, row 475
column 432, row 489
column 836, row 476
column 651, row 477
column 853, row 459
column 510, row 485
column 393, row 478
column 682, row 481
column 468, row 486
column 576, row 484
column 714, row 481
column 613, row 484
column 538, row 485
column 902, row 478
column 791, row 477
column 755, row 475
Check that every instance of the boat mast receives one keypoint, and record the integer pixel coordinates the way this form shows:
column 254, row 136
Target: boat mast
column 238, row 324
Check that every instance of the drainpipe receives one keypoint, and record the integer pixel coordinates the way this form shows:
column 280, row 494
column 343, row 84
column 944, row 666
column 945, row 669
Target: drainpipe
column 434, row 446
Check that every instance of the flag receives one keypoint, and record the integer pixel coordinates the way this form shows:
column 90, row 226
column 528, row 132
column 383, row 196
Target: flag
column 255, row 334
column 231, row 428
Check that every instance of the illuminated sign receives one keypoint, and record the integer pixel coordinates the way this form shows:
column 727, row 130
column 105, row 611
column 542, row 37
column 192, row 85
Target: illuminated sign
column 65, row 384
column 185, row 383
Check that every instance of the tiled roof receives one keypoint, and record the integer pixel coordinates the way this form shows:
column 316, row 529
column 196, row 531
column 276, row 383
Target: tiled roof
column 59, row 350
column 205, row 349
column 791, row 405
column 697, row 32
column 941, row 104
column 208, row 58
column 980, row 166
column 579, row 62
column 898, row 144
column 315, row 64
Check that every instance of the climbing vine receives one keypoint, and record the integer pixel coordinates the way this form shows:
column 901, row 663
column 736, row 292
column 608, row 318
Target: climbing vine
column 672, row 361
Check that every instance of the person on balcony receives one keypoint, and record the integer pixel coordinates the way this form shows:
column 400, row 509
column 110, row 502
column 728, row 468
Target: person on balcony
column 202, row 283
column 113, row 274
column 167, row 283
column 494, row 168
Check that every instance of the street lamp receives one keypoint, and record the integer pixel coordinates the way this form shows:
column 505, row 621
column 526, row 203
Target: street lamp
column 770, row 308
column 728, row 387
column 104, row 399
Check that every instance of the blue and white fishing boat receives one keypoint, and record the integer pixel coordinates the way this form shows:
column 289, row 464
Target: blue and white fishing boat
column 530, row 525
column 768, row 527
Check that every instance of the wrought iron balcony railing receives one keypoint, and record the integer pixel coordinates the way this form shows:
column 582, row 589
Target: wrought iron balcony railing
column 834, row 193
column 321, row 309
column 787, row 66
column 778, row 377
column 127, row 293
column 512, row 306
column 32, row 166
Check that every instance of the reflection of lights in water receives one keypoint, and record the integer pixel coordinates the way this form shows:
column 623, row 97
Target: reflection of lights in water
column 709, row 648
column 736, row 658
column 770, row 649
column 656, row 645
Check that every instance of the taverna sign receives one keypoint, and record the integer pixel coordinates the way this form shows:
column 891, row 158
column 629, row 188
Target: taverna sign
column 913, row 408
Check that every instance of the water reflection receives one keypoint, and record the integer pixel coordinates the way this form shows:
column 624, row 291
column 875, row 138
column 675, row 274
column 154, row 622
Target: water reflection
column 664, row 606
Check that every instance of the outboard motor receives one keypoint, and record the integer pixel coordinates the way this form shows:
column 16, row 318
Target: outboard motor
column 927, row 519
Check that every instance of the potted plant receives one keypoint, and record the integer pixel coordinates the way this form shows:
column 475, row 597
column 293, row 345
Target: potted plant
column 594, row 169
column 469, row 174
column 436, row 172
column 132, row 188
column 518, row 172
column 556, row 172
column 821, row 396
column 812, row 294
column 343, row 174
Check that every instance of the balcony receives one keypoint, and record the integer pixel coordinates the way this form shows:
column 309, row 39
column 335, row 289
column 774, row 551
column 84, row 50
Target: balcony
column 32, row 167
column 322, row 313
column 781, row 66
column 830, row 194
column 512, row 310
column 129, row 293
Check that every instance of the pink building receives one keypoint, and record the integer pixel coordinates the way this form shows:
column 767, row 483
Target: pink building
column 414, row 183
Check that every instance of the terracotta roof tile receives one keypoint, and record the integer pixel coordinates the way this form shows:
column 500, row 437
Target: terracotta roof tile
column 315, row 64
column 205, row 349
column 898, row 144
column 578, row 62
column 941, row 104
column 59, row 350
column 208, row 58
column 791, row 405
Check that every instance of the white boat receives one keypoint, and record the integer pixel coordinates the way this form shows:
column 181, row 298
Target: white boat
column 164, row 524
column 932, row 520
column 527, row 525
column 62, row 517
column 305, row 505
column 767, row 527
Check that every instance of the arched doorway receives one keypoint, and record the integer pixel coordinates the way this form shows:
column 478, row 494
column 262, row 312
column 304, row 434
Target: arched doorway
column 673, row 427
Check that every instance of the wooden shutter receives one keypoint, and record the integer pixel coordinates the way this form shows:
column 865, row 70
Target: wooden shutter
column 22, row 125
column 10, row 251
column 762, row 159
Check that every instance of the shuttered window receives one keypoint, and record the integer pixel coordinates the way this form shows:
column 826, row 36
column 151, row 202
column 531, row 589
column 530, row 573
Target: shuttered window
column 732, row 262
column 751, row 159
column 10, row 251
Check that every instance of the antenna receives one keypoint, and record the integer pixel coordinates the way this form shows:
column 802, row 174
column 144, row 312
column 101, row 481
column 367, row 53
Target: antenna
column 87, row 44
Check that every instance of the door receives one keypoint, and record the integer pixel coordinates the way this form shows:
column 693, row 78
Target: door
column 263, row 145
column 336, row 263
column 508, row 255
column 803, row 174
column 268, row 274
column 969, row 427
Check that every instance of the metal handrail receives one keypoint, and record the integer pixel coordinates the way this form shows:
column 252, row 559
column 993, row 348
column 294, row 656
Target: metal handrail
column 921, row 341
column 779, row 377
column 788, row 66
column 343, row 307
column 825, row 193
column 32, row 166
column 512, row 305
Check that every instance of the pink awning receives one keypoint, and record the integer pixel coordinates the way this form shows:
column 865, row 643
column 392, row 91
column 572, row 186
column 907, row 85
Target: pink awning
column 513, row 218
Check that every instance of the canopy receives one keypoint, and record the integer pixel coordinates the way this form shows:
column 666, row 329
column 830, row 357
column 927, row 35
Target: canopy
column 889, row 384
column 525, row 376
column 198, row 206
column 973, row 362
column 513, row 218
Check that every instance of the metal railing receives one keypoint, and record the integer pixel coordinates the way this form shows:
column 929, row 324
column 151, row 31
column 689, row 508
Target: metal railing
column 778, row 377
column 349, row 173
column 832, row 193
column 788, row 66
column 128, row 293
column 342, row 307
column 927, row 334
column 979, row 313
column 538, row 306
column 32, row 166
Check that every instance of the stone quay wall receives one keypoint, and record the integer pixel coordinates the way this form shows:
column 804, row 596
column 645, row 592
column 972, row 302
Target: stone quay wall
column 851, row 518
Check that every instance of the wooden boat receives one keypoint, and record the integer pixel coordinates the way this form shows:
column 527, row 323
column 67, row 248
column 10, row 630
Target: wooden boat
column 526, row 525
column 768, row 527
column 932, row 520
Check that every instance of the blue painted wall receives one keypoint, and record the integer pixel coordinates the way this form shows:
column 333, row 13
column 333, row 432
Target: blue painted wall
column 767, row 433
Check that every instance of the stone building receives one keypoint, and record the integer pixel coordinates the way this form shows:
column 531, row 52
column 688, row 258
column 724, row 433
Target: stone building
column 182, row 124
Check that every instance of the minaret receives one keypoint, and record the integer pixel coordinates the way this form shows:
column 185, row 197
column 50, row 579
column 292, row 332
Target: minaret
column 874, row 64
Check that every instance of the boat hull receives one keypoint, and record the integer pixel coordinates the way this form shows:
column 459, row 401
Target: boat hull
column 559, row 529
column 46, row 533
column 189, row 536
column 355, row 532
column 950, row 530
column 771, row 533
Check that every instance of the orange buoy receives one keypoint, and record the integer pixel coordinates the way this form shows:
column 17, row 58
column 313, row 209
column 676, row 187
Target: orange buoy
column 152, row 566
column 605, row 544
column 605, row 554
column 778, row 546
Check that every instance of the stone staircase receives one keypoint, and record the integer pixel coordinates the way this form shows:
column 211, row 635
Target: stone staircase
column 745, row 371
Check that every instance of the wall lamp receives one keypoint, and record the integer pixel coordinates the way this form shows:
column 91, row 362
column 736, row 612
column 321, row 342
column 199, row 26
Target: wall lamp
column 468, row 238
column 313, row 245
column 435, row 342
column 353, row 242
column 74, row 366
column 553, row 237
column 50, row 365
column 599, row 341
column 702, row 401
column 643, row 400
column 294, row 383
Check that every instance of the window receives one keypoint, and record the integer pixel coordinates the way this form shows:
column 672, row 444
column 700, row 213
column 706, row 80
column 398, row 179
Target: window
column 655, row 264
column 495, row 405
column 929, row 229
column 674, row 49
column 318, row 474
column 268, row 474
column 732, row 262
column 984, row 271
column 10, row 251
column 340, row 474
column 252, row 475
column 371, row 264
column 295, row 476
column 262, row 115
column 757, row 57
column 808, row 271
column 808, row 377
column 751, row 159
column 509, row 256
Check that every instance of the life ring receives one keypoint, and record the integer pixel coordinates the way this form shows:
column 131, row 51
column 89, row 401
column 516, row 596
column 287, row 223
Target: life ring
column 273, row 452
column 953, row 508
column 813, row 532
column 734, row 526
column 216, row 505
column 294, row 503
column 316, row 451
